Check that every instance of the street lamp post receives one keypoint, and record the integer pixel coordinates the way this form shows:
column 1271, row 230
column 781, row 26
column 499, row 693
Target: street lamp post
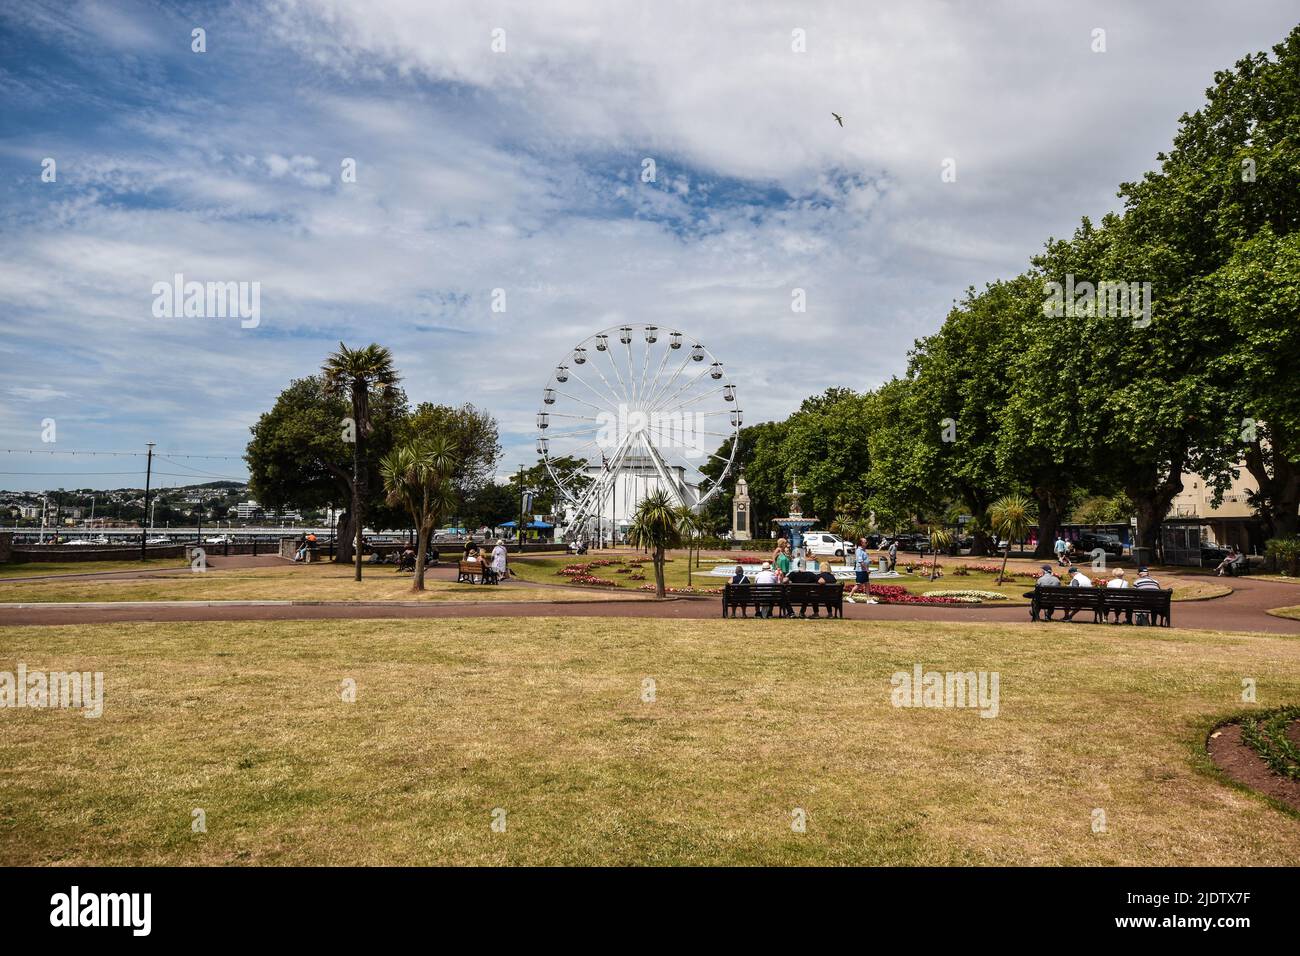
column 148, row 474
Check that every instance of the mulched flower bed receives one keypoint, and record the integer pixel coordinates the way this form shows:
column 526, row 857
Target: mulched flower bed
column 1262, row 752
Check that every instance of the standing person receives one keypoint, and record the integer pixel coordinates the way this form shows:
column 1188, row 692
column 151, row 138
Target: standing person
column 499, row 560
column 861, row 570
column 1061, row 549
column 893, row 553
column 782, row 559
column 800, row 562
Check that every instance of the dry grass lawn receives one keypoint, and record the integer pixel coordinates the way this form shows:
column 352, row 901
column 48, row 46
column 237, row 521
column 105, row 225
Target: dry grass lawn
column 291, row 582
column 34, row 568
column 545, row 718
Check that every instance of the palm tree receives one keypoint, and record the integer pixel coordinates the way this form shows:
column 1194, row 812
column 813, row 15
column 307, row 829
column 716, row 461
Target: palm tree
column 690, row 523
column 417, row 476
column 655, row 526
column 1010, row 517
column 940, row 537
column 356, row 372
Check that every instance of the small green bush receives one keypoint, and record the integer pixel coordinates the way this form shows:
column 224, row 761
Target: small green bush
column 1284, row 554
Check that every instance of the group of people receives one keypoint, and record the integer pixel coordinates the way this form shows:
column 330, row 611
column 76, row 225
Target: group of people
column 786, row 572
column 1118, row 579
column 494, row 569
column 306, row 544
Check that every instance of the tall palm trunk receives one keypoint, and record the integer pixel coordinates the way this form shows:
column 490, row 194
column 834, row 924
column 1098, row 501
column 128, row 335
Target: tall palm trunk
column 421, row 550
column 659, row 571
column 1002, row 575
column 356, row 477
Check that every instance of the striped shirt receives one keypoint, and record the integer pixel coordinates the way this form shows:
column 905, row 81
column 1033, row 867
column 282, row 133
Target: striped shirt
column 1147, row 584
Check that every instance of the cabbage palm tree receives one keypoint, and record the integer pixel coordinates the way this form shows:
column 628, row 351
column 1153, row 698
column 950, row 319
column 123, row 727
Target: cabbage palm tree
column 356, row 373
column 417, row 476
column 940, row 537
column 655, row 526
column 691, row 524
column 1010, row 517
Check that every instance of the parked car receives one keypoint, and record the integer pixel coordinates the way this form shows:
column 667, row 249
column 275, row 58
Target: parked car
column 1090, row 541
column 825, row 543
column 219, row 539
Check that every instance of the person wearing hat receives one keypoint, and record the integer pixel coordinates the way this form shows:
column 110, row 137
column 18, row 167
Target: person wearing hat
column 1077, row 580
column 1047, row 579
column 499, row 560
column 1145, row 582
column 765, row 575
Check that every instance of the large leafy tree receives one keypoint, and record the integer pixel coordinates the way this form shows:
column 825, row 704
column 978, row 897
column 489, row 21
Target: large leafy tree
column 359, row 373
column 474, row 438
column 296, row 457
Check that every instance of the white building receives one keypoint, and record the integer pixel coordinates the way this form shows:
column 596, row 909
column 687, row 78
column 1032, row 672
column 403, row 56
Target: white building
column 637, row 478
column 247, row 510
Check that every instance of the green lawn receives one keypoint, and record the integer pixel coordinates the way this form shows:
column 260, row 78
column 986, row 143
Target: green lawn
column 549, row 722
column 26, row 568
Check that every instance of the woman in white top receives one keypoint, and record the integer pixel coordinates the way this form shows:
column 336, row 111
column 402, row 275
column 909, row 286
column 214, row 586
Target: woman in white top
column 1117, row 580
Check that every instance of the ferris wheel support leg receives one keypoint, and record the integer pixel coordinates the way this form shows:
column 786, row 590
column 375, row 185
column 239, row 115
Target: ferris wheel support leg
column 665, row 475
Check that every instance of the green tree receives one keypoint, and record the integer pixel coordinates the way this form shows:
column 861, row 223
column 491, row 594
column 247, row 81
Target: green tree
column 417, row 475
column 296, row 460
column 655, row 526
column 357, row 373
column 1010, row 516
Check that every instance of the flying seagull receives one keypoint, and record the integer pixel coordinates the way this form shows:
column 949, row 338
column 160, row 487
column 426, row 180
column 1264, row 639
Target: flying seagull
column 838, row 118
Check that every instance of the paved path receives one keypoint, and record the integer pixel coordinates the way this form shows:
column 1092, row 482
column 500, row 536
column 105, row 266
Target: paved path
column 1243, row 610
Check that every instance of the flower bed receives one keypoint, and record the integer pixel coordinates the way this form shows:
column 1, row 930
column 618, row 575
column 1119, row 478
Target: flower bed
column 894, row 594
column 969, row 593
column 994, row 569
column 668, row 590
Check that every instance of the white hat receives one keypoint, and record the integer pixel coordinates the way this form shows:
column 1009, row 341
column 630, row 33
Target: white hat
column 767, row 566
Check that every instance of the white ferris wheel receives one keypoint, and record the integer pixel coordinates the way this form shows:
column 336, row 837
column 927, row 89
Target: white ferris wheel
column 633, row 409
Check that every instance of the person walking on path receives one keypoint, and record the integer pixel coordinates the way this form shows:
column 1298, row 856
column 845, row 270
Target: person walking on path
column 1062, row 550
column 893, row 553
column 499, row 560
column 861, row 572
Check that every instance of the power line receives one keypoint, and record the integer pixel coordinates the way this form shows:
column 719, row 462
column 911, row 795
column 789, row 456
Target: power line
column 134, row 454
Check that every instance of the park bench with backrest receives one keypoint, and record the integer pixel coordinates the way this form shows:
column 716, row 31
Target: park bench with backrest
column 781, row 598
column 475, row 572
column 1102, row 601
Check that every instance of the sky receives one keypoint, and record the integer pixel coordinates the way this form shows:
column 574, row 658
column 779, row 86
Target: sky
column 503, row 147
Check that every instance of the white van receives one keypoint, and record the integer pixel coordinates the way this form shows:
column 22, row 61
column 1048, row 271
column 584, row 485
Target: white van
column 822, row 543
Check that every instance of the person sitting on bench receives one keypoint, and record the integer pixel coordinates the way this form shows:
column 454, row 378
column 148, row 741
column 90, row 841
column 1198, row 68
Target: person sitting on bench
column 739, row 576
column 1077, row 580
column 803, row 577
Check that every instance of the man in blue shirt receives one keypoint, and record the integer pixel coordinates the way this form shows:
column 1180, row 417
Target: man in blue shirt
column 862, row 569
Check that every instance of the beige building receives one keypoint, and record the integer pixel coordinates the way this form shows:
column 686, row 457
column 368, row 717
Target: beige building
column 1233, row 522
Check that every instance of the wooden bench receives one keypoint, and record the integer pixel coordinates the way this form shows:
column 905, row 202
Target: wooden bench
column 782, row 598
column 1101, row 601
column 474, row 572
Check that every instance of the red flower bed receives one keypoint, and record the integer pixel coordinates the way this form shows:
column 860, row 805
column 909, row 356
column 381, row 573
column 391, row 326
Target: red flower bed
column 894, row 594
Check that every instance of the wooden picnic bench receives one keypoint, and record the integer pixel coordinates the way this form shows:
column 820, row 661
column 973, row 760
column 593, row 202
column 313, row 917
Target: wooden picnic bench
column 1101, row 601
column 782, row 597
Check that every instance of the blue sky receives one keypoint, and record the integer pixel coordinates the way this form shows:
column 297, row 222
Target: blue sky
column 521, row 170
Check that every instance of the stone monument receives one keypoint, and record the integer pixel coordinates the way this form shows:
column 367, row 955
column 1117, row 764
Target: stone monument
column 741, row 516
